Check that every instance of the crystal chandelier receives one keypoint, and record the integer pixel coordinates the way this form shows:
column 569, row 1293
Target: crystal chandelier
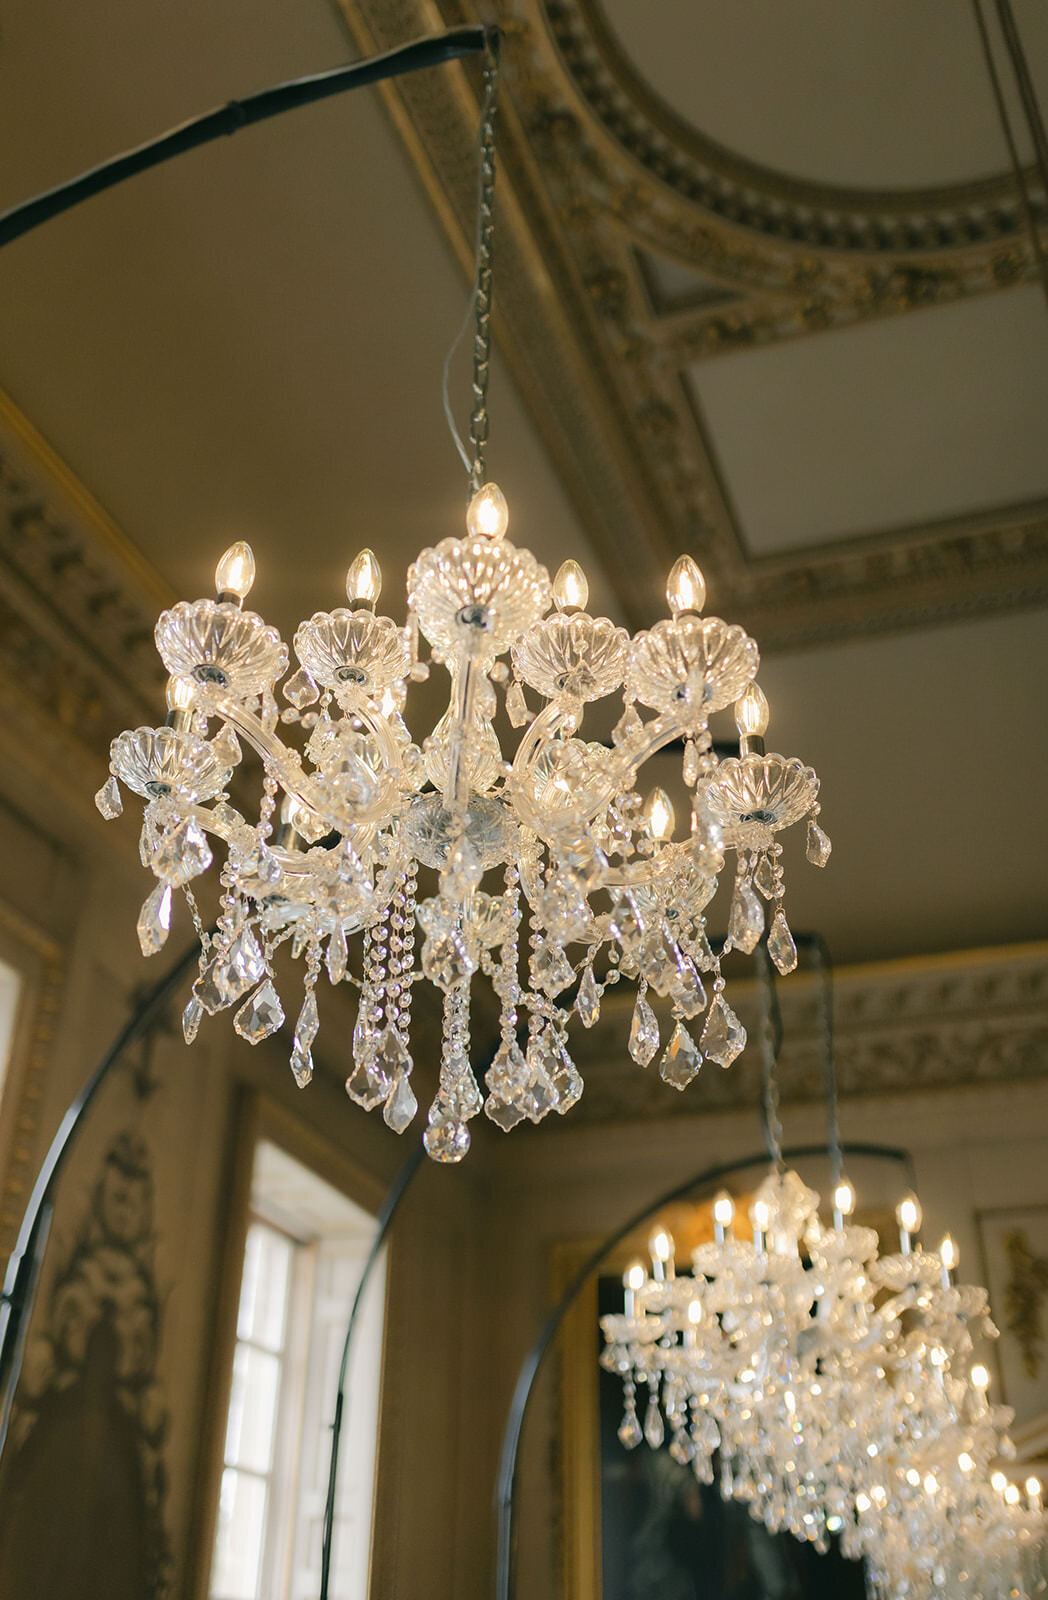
column 541, row 868
column 833, row 1390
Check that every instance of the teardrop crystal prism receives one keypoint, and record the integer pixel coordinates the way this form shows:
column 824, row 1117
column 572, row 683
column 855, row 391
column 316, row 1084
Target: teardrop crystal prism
column 551, row 969
column 446, row 1140
column 505, row 1114
column 781, row 947
column 401, row 1106
column 302, row 1066
column 819, row 846
column 630, row 1433
column 723, row 1037
column 644, row 1032
column 692, row 764
column 308, row 1023
column 109, row 800
column 154, row 920
column 508, row 1073
column 192, row 1017
column 681, row 1060
column 261, row 1015
column 300, row 689
column 225, row 747
column 337, row 955
column 587, row 1001
column 654, row 1429
column 764, row 877
column 516, row 705
column 746, row 921
column 368, row 1085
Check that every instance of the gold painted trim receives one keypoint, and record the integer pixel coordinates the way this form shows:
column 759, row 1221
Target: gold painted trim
column 40, row 963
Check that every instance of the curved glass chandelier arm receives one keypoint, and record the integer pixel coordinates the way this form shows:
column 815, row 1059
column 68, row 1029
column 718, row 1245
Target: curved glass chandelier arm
column 286, row 767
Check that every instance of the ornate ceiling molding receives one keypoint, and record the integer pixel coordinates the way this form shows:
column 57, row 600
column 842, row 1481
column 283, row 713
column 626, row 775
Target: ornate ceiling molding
column 899, row 1027
column 602, row 362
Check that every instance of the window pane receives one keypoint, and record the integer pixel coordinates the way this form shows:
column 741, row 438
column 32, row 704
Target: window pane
column 264, row 1292
column 241, row 1529
column 252, row 1409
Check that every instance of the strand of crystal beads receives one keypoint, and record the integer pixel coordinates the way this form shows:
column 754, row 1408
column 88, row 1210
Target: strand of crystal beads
column 401, row 1105
column 506, row 1078
column 447, row 1138
column 308, row 1018
column 379, row 1052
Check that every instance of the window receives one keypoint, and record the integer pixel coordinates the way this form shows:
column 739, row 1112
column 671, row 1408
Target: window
column 10, row 990
column 305, row 1249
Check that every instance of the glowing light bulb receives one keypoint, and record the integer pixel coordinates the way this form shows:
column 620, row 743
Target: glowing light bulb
column 570, row 587
column 908, row 1214
column 364, row 579
column 998, row 1481
column 760, row 1215
column 949, row 1254
column 931, row 1484
column 634, row 1276
column 661, row 1245
column 235, row 572
column 695, row 1317
column 844, row 1198
column 659, row 814
column 966, row 1462
column 1033, row 1489
column 724, row 1209
column 752, row 712
column 488, row 514
column 685, row 587
column 180, row 694
column 1011, row 1494
column 980, row 1377
column 862, row 1502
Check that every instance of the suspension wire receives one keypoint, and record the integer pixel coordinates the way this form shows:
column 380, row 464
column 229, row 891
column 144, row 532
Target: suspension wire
column 770, row 1044
column 1018, row 170
column 478, row 307
column 824, row 1023
column 1027, row 91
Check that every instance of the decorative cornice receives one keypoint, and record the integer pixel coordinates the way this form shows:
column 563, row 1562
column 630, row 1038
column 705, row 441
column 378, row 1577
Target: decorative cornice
column 603, row 366
column 974, row 1017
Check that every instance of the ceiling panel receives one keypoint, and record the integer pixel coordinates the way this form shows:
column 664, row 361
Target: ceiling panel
column 884, row 425
column 874, row 93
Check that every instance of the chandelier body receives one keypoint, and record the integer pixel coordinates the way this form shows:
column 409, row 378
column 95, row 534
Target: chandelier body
column 834, row 1392
column 552, row 877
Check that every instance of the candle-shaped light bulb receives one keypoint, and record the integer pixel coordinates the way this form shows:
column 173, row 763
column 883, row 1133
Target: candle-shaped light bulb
column 180, row 694
column 660, row 1246
column 659, row 814
column 570, row 587
column 949, row 1255
column 1011, row 1494
column 980, row 1377
column 632, row 1280
column 998, row 1481
column 1033, row 1492
column 908, row 1216
column 752, row 712
column 364, row 579
column 723, row 1214
column 685, row 587
column 966, row 1462
column 760, row 1216
column 843, row 1199
column 235, row 572
column 488, row 514
column 691, row 1328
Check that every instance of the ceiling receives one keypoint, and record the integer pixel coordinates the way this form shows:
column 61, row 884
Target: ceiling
column 741, row 311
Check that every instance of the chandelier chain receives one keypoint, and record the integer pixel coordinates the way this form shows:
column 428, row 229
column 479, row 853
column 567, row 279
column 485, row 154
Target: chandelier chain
column 478, row 422
column 824, row 1019
column 770, row 1117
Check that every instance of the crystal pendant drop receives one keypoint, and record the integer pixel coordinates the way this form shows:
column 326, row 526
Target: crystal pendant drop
column 505, row 1114
column 627, row 726
column 552, row 969
column 746, row 921
column 225, row 747
column 337, row 955
column 261, row 1015
column 630, row 1432
column 681, row 1060
column 244, row 963
column 448, row 959
column 401, row 1105
column 182, row 854
column 508, row 1073
column 681, row 1448
column 644, row 1032
column 108, row 800
column 300, row 690
column 368, row 1084
column 781, row 947
column 566, row 1079
column 516, row 705
column 723, row 1037
column 692, row 765
column 819, row 846
column 462, row 872
column 764, row 877
column 308, row 1023
column 654, row 1430
column 192, row 1017
column 363, row 1034
column 686, row 991
column 446, row 1140
column 587, row 1001
column 301, row 1066
column 154, row 920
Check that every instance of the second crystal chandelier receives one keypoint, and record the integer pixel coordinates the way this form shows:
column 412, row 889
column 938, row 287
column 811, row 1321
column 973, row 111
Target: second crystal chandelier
column 551, row 875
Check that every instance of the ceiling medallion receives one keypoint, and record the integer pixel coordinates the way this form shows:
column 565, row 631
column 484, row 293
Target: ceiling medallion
column 541, row 868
